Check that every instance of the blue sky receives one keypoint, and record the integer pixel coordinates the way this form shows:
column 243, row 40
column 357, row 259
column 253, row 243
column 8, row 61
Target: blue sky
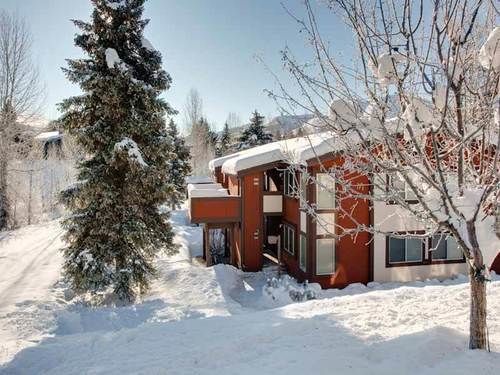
column 206, row 44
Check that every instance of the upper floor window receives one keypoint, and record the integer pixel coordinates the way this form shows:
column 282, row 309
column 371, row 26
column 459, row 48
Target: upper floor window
column 325, row 191
column 397, row 186
column 445, row 248
column 290, row 184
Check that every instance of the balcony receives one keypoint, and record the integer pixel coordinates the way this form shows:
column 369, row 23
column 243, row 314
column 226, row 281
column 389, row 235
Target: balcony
column 211, row 203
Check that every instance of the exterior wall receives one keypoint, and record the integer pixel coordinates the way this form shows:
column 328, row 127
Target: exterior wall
column 352, row 253
column 393, row 218
column 252, row 221
column 291, row 216
column 219, row 177
column 233, row 183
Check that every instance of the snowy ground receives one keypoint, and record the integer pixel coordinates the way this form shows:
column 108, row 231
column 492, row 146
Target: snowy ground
column 218, row 320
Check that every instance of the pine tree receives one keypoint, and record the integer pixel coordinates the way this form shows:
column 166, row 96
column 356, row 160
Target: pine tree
column 180, row 166
column 255, row 134
column 116, row 227
column 224, row 144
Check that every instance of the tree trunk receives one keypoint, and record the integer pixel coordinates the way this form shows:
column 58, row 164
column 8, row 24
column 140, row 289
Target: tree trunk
column 4, row 203
column 477, row 331
column 478, row 337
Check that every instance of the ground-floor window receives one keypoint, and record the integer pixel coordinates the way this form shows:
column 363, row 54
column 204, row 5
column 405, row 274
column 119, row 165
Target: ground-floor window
column 303, row 252
column 325, row 256
column 289, row 238
column 445, row 248
column 405, row 250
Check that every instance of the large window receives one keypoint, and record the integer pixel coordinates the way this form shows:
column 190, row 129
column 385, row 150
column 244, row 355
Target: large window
column 445, row 248
column 405, row 250
column 290, row 184
column 289, row 238
column 303, row 252
column 325, row 191
column 325, row 256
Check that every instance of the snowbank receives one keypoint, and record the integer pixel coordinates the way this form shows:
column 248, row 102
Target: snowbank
column 219, row 320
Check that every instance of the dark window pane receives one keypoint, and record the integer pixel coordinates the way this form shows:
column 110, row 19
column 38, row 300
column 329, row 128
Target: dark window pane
column 396, row 250
column 439, row 244
column 413, row 250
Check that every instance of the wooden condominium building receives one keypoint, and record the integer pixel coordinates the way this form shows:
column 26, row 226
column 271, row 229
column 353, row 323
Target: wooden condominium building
column 256, row 203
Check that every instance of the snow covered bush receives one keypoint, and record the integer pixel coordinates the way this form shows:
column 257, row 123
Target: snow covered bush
column 286, row 290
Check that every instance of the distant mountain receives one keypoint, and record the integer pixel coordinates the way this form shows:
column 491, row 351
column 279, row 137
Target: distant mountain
column 284, row 124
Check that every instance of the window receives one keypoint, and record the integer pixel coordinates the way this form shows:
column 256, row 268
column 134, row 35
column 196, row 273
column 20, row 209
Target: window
column 289, row 239
column 445, row 248
column 405, row 250
column 290, row 184
column 303, row 252
column 325, row 224
column 325, row 256
column 303, row 189
column 396, row 185
column 325, row 191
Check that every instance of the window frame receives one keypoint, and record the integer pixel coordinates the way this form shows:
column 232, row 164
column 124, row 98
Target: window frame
column 303, row 252
column 289, row 233
column 317, row 190
column 334, row 242
column 444, row 237
column 290, row 190
column 389, row 187
column 405, row 263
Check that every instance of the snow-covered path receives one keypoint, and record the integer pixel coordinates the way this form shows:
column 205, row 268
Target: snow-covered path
column 30, row 264
column 218, row 320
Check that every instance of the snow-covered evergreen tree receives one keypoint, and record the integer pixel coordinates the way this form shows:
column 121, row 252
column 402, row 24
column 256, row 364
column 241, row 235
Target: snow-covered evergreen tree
column 180, row 166
column 224, row 141
column 116, row 227
column 255, row 134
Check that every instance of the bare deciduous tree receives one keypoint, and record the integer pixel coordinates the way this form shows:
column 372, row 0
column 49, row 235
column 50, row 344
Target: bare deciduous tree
column 20, row 93
column 416, row 110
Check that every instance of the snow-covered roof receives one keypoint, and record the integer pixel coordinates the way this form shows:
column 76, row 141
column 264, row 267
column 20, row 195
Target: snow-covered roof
column 199, row 180
column 217, row 162
column 212, row 186
column 297, row 150
column 206, row 190
column 49, row 136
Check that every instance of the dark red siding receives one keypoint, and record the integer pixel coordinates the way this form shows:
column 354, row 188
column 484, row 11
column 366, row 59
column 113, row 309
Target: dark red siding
column 252, row 221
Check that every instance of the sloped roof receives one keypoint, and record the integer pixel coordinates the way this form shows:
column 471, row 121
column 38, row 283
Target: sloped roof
column 295, row 150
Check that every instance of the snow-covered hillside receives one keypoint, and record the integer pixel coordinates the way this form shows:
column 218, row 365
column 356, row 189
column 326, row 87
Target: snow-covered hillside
column 219, row 320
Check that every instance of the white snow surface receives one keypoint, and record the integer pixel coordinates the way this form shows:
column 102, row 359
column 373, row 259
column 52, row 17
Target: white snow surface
column 489, row 54
column 199, row 180
column 48, row 136
column 295, row 150
column 132, row 149
column 112, row 58
column 219, row 320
